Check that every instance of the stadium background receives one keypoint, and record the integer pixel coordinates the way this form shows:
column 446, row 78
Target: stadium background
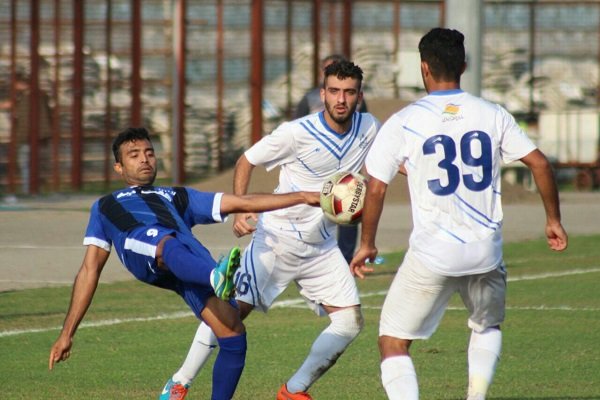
column 211, row 77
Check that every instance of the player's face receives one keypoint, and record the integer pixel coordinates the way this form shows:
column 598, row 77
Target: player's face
column 341, row 97
column 138, row 163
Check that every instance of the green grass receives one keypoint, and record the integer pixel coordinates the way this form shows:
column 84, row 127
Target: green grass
column 550, row 348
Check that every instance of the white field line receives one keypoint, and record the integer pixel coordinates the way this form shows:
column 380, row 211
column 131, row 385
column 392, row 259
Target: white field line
column 38, row 247
column 548, row 256
column 299, row 303
column 554, row 274
column 36, row 281
column 106, row 322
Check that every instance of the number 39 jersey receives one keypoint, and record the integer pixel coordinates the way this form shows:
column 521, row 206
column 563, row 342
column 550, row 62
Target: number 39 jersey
column 451, row 144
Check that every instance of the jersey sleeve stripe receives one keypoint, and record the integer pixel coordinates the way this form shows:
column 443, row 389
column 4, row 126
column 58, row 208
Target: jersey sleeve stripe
column 87, row 241
column 216, row 210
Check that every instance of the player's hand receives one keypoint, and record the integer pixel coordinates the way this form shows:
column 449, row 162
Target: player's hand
column 60, row 351
column 556, row 236
column 313, row 198
column 241, row 226
column 358, row 265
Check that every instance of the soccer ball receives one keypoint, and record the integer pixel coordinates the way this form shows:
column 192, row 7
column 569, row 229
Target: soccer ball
column 343, row 196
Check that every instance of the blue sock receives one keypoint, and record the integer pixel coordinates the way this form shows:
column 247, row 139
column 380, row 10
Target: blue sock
column 228, row 367
column 186, row 265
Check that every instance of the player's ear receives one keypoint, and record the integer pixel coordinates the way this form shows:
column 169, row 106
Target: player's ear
column 425, row 69
column 322, row 91
column 118, row 168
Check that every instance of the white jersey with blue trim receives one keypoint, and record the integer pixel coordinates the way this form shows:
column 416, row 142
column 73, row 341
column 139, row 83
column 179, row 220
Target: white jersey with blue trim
column 452, row 145
column 308, row 152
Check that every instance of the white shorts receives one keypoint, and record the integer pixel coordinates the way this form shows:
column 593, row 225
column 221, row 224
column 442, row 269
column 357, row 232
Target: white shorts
column 418, row 297
column 271, row 262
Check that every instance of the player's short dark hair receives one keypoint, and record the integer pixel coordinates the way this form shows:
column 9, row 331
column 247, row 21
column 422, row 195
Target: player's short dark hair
column 343, row 69
column 444, row 51
column 128, row 135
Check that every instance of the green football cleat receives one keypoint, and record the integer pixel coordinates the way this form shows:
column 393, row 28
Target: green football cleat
column 221, row 278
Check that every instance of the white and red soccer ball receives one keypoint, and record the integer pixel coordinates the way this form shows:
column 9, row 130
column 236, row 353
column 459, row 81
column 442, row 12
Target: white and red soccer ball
column 343, row 197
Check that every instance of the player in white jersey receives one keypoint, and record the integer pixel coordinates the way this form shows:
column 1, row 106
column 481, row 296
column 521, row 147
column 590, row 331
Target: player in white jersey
column 299, row 245
column 347, row 235
column 451, row 145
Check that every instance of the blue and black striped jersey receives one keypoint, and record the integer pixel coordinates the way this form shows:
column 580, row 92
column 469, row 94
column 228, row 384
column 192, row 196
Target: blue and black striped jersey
column 177, row 208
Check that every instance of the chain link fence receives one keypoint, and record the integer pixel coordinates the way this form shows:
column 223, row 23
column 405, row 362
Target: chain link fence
column 538, row 57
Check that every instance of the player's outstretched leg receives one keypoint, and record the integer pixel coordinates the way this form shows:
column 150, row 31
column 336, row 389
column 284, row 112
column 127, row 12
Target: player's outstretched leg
column 221, row 278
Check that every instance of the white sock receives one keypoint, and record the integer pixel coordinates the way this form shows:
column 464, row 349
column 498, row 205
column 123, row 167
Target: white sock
column 202, row 347
column 345, row 325
column 484, row 353
column 399, row 378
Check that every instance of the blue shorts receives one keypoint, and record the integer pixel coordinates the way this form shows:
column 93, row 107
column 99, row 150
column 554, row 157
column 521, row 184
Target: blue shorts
column 139, row 257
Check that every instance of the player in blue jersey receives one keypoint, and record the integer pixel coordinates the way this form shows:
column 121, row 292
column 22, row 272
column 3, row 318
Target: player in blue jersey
column 451, row 144
column 150, row 229
column 298, row 244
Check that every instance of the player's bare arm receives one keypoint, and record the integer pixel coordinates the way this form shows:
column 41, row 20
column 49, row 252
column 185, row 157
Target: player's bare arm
column 544, row 179
column 241, row 181
column 84, row 288
column 266, row 202
column 376, row 190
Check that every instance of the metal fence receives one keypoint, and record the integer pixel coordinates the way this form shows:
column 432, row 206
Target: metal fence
column 210, row 77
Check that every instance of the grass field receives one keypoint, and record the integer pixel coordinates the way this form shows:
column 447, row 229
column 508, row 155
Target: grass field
column 135, row 336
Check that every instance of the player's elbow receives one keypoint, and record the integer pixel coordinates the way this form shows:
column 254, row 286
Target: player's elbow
column 537, row 161
column 242, row 163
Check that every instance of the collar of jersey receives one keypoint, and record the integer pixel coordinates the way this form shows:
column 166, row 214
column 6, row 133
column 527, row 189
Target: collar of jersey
column 344, row 142
column 141, row 187
column 326, row 125
column 446, row 92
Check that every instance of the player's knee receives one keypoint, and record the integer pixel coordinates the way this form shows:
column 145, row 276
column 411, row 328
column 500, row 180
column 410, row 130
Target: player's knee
column 245, row 309
column 235, row 328
column 160, row 250
column 391, row 346
column 347, row 322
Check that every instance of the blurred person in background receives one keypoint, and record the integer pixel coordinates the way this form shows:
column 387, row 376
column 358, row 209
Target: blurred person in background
column 21, row 109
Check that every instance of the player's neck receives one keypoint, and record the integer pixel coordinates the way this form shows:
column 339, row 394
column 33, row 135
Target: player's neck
column 338, row 127
column 442, row 86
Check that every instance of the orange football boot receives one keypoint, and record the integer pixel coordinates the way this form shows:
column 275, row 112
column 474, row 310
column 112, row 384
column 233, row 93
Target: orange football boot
column 283, row 394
